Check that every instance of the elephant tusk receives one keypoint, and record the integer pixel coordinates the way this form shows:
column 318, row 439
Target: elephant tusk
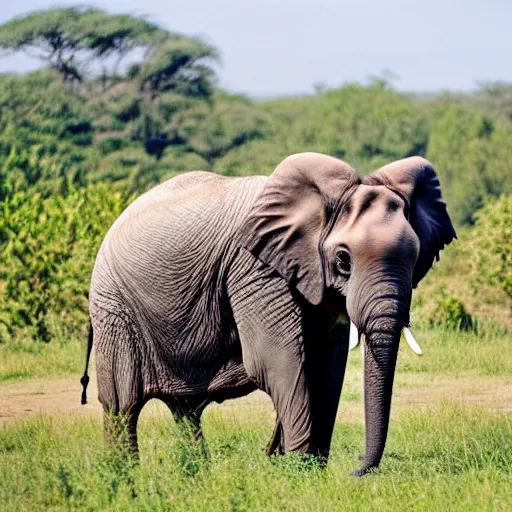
column 353, row 339
column 411, row 341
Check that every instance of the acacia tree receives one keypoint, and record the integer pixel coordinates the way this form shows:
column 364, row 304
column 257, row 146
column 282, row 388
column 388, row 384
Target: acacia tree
column 67, row 39
column 119, row 35
column 50, row 36
column 170, row 73
column 180, row 65
column 179, row 68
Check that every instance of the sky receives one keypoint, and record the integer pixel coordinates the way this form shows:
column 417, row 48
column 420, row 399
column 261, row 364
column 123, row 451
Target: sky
column 284, row 47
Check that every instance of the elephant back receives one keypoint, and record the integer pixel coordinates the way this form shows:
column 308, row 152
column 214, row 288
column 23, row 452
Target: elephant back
column 165, row 255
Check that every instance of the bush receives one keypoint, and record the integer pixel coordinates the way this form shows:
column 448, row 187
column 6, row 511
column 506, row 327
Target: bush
column 444, row 310
column 48, row 248
column 491, row 245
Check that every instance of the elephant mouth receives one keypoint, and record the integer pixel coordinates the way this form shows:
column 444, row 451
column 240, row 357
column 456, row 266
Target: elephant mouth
column 354, row 339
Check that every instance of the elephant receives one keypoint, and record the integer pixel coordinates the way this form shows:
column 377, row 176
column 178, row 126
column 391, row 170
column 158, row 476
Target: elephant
column 209, row 287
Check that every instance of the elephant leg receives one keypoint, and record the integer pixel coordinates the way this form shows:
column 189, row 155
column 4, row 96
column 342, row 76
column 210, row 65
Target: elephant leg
column 275, row 444
column 187, row 414
column 121, row 428
column 327, row 362
column 270, row 330
column 119, row 380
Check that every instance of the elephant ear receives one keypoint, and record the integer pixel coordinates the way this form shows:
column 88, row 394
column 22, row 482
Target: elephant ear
column 286, row 222
column 414, row 178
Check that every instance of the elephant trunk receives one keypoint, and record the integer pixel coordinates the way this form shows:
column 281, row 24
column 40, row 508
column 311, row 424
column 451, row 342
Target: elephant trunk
column 380, row 354
column 381, row 318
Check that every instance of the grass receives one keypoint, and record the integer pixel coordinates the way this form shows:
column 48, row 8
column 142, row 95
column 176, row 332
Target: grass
column 28, row 359
column 450, row 458
column 442, row 453
column 446, row 352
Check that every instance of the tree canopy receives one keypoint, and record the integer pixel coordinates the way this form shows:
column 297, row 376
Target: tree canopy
column 68, row 39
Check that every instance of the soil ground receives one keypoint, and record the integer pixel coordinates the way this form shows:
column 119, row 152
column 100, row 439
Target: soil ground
column 62, row 396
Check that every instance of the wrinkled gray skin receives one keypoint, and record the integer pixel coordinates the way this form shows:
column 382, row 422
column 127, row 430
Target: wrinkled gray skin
column 209, row 287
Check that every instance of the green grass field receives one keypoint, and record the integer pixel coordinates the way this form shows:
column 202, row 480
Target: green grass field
column 449, row 447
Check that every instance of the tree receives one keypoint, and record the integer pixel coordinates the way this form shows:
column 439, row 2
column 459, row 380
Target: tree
column 118, row 35
column 181, row 65
column 66, row 39
column 181, row 68
column 495, row 97
column 148, row 103
column 51, row 36
column 471, row 153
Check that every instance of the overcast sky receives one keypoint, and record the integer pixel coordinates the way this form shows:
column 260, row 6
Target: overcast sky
column 283, row 47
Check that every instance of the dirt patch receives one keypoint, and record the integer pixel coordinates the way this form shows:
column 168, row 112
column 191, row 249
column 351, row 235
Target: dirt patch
column 492, row 392
column 20, row 400
column 51, row 396
column 46, row 396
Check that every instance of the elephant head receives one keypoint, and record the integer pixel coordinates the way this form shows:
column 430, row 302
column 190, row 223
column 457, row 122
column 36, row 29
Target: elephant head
column 359, row 245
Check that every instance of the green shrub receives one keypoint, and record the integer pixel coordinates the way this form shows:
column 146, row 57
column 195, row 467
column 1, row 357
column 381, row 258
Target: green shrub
column 47, row 249
column 490, row 246
column 443, row 310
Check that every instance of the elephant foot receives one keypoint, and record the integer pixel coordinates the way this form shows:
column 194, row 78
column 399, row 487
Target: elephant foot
column 363, row 471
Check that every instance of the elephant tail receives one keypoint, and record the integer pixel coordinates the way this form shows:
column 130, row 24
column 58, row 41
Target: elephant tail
column 85, row 379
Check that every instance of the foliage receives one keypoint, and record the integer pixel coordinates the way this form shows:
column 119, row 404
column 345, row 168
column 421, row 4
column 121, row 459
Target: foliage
column 213, row 131
column 118, row 35
column 174, row 69
column 178, row 65
column 495, row 97
column 491, row 245
column 471, row 153
column 367, row 126
column 47, row 252
column 63, row 36
column 45, row 137
column 445, row 310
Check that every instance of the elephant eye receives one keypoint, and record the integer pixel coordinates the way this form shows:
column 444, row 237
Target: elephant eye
column 343, row 262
